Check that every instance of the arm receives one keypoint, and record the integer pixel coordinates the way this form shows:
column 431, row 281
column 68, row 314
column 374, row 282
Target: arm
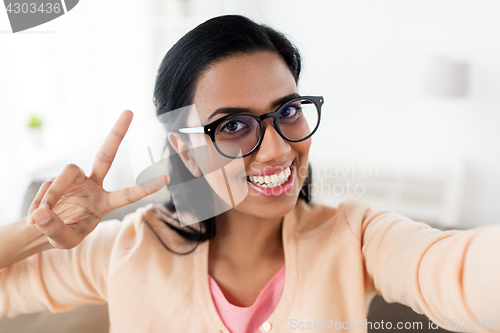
column 60, row 280
column 20, row 240
column 460, row 275
column 64, row 212
column 68, row 207
column 449, row 275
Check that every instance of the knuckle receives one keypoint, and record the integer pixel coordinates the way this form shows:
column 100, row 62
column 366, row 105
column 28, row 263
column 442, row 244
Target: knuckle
column 71, row 243
column 78, row 230
column 116, row 133
column 45, row 185
column 49, row 181
column 128, row 195
column 104, row 157
column 72, row 167
column 55, row 233
column 65, row 246
column 64, row 240
column 49, row 197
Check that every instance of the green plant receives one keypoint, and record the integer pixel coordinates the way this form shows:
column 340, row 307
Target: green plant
column 35, row 121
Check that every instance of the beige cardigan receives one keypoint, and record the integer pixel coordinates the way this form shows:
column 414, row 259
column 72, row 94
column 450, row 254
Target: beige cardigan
column 336, row 260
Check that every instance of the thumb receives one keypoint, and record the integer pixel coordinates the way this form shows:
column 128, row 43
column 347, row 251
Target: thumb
column 59, row 233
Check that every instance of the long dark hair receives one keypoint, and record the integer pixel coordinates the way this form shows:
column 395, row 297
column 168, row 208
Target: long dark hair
column 208, row 43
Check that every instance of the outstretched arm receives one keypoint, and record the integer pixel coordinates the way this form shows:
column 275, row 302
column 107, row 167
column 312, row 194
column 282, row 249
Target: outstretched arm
column 451, row 276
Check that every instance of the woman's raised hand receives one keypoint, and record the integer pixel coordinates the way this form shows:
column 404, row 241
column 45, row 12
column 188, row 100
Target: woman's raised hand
column 68, row 207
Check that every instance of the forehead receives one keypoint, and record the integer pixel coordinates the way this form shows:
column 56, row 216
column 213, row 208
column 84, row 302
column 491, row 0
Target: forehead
column 252, row 81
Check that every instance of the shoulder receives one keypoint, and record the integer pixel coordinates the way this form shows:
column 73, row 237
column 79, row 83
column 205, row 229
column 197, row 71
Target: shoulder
column 120, row 233
column 362, row 219
column 153, row 227
column 132, row 227
column 354, row 215
column 317, row 212
column 354, row 209
column 312, row 216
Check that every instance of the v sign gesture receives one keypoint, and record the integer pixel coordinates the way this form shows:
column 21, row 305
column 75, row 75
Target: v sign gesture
column 68, row 207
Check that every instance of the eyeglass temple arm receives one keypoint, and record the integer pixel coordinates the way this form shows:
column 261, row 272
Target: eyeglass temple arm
column 191, row 130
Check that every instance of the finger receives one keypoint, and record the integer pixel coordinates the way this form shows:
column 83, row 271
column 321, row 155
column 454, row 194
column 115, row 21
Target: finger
column 107, row 153
column 72, row 173
column 130, row 195
column 60, row 235
column 36, row 202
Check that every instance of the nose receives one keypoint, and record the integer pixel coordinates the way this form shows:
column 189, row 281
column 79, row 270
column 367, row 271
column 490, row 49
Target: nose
column 273, row 146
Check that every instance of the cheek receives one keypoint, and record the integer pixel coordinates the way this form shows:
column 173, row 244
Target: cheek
column 302, row 147
column 226, row 177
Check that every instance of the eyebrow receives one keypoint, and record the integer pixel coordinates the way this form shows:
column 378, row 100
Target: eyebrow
column 275, row 104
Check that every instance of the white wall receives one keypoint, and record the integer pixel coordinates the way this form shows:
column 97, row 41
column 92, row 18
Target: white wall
column 368, row 57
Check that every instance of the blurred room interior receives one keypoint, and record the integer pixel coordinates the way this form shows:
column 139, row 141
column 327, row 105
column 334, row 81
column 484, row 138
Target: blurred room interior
column 411, row 91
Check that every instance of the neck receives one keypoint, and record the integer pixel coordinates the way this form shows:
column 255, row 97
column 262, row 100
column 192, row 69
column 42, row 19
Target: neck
column 247, row 241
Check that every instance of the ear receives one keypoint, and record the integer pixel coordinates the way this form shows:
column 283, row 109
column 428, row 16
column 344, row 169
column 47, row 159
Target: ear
column 184, row 150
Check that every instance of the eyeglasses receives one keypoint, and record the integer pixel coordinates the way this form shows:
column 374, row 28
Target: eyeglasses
column 240, row 134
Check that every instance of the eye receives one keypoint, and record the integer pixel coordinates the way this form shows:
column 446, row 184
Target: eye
column 233, row 126
column 236, row 127
column 289, row 112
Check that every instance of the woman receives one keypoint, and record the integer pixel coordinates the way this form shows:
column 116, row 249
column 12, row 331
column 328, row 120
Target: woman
column 336, row 259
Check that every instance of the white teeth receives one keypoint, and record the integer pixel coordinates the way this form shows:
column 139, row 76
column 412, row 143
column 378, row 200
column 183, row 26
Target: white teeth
column 281, row 177
column 271, row 181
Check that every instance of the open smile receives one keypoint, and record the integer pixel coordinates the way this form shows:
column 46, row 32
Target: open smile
column 275, row 184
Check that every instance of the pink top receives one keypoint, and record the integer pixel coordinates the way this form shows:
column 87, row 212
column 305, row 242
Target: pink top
column 248, row 319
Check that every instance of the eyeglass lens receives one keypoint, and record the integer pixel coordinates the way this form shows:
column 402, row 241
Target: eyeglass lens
column 296, row 121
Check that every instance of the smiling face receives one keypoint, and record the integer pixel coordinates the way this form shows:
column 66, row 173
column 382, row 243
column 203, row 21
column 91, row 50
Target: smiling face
column 258, row 82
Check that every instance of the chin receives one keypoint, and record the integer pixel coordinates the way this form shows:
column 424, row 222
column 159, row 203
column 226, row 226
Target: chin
column 268, row 208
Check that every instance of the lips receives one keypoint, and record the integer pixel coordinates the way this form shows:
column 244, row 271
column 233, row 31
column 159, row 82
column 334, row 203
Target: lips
column 271, row 181
column 272, row 171
column 277, row 188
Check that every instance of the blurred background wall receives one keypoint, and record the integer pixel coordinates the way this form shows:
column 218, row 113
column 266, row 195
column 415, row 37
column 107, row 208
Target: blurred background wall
column 433, row 156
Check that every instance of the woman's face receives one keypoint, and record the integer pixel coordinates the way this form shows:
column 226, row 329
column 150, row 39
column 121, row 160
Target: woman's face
column 257, row 82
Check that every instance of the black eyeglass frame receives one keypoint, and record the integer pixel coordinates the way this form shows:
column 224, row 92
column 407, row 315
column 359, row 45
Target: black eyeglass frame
column 209, row 129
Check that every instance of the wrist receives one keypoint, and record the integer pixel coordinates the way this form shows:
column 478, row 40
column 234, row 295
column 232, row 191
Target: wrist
column 38, row 240
column 20, row 240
